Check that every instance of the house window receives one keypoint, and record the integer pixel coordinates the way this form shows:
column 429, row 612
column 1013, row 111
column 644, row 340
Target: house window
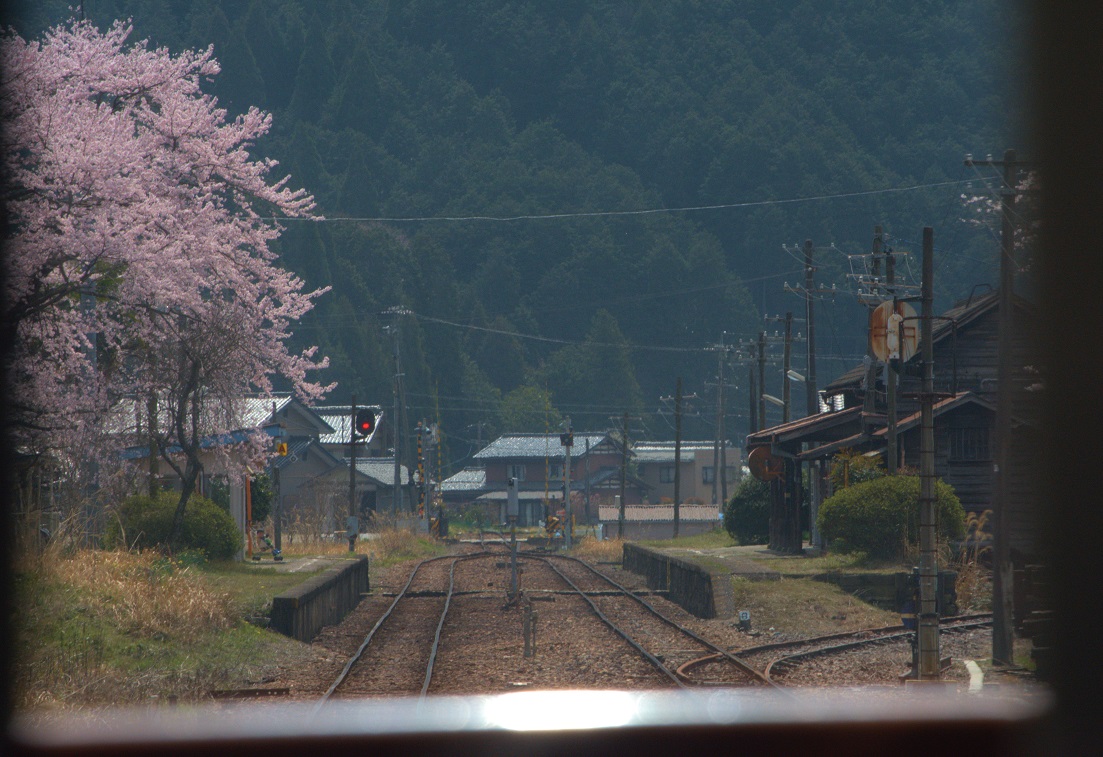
column 708, row 474
column 555, row 470
column 666, row 474
column 969, row 445
column 515, row 471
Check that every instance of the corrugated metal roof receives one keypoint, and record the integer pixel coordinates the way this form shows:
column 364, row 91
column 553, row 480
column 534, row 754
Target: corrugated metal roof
column 512, row 446
column 663, row 452
column 659, row 513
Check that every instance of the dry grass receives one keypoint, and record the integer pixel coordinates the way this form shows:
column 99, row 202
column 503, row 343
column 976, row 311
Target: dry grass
column 98, row 627
column 974, row 579
column 801, row 607
column 143, row 594
column 609, row 550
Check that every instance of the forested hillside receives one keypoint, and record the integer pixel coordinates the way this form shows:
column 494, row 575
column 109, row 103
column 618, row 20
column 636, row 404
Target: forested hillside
column 573, row 200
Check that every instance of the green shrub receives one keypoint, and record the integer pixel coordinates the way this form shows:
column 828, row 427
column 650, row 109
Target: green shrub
column 881, row 517
column 747, row 513
column 850, row 468
column 142, row 521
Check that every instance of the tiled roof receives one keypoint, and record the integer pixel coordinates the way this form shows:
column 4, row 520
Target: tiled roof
column 660, row 513
column 468, row 479
column 514, row 446
column 381, row 470
column 338, row 418
column 297, row 450
column 257, row 410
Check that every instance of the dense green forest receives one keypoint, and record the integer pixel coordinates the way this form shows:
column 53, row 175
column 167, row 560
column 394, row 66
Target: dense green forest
column 569, row 202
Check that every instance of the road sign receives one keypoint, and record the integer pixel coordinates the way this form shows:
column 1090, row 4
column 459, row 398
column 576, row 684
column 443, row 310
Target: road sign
column 893, row 332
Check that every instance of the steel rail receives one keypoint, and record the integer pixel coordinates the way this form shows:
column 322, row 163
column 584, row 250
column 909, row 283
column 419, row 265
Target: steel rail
column 616, row 629
column 378, row 624
column 686, row 667
column 720, row 652
column 789, row 660
column 443, row 616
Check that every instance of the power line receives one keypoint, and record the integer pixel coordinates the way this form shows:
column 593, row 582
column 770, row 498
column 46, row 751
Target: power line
column 614, row 213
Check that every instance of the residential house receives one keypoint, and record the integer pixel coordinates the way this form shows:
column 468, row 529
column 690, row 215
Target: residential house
column 698, row 479
column 539, row 464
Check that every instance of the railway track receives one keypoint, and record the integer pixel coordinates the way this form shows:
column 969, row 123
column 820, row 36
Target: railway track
column 779, row 659
column 453, row 627
column 472, row 622
column 404, row 642
column 662, row 641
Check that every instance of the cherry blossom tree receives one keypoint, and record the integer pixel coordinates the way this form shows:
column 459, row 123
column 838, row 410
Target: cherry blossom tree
column 138, row 252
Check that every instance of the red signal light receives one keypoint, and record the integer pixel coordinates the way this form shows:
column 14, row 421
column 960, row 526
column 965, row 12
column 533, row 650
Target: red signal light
column 365, row 422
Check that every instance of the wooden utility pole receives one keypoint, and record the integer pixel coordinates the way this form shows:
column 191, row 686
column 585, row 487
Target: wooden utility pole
column 1002, row 576
column 677, row 455
column 811, row 393
column 929, row 661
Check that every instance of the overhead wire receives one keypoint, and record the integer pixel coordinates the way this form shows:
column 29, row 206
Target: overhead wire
column 615, row 213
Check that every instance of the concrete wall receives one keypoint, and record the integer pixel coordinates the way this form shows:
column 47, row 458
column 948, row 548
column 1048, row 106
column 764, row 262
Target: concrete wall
column 321, row 601
column 645, row 530
column 701, row 591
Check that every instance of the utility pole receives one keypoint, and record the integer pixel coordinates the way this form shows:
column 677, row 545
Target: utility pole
column 277, row 499
column 787, row 367
column 396, row 496
column 677, row 455
column 568, row 441
column 811, row 394
column 1002, row 577
column 752, row 399
column 929, row 661
column 623, row 474
column 762, row 380
column 353, row 524
column 719, row 449
column 870, row 399
column 892, row 456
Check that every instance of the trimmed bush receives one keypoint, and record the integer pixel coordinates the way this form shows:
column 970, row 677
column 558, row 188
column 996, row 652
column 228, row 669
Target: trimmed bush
column 142, row 521
column 881, row 517
column 747, row 513
column 849, row 468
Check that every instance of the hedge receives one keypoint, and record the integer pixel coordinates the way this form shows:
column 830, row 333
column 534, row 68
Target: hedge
column 142, row 521
column 881, row 517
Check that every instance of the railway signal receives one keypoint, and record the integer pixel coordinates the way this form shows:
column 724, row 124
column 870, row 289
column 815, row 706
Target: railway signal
column 364, row 425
